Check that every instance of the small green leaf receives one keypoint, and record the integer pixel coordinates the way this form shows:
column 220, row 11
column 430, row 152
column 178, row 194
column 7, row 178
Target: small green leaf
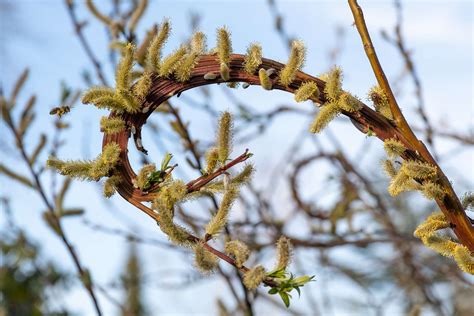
column 166, row 160
column 285, row 298
column 273, row 290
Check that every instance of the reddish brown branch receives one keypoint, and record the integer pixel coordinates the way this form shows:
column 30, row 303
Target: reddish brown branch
column 365, row 119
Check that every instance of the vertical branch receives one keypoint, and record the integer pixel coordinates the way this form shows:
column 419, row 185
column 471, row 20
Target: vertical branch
column 378, row 71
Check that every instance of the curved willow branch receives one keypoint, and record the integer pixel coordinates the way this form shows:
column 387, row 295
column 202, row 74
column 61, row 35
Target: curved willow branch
column 364, row 120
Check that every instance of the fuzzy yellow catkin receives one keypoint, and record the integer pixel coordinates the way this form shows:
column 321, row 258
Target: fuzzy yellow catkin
column 432, row 191
column 111, row 125
column 283, row 253
column 140, row 89
column 198, row 43
column 265, row 80
column 218, row 221
column 204, row 260
column 238, row 250
column 393, row 147
column 389, row 168
column 142, row 50
column 399, row 183
column 306, row 91
column 224, row 45
column 106, row 161
column 380, row 101
column 348, row 102
column 171, row 194
column 418, row 169
column 224, row 137
column 254, row 277
column 253, row 58
column 326, row 114
column 143, row 175
column 333, row 87
column 91, row 170
column 243, row 176
column 127, row 100
column 92, row 8
column 94, row 93
column 153, row 58
column 464, row 259
column 198, row 47
column 211, row 159
column 172, row 61
column 137, row 14
column 426, row 231
column 114, row 103
column 295, row 63
column 110, row 185
column 124, row 67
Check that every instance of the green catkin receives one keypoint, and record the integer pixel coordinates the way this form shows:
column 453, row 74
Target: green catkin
column 432, row 191
column 217, row 223
column 254, row 277
column 307, row 90
column 265, row 80
column 224, row 71
column 205, row 261
column 94, row 93
column 393, row 147
column 140, row 89
column 253, row 58
column 172, row 61
column 124, row 67
column 238, row 250
column 153, row 58
column 92, row 8
column 143, row 174
column 224, row 137
column 348, row 102
column 111, row 125
column 295, row 63
column 212, row 156
column 380, row 101
column 418, row 170
column 110, row 185
column 327, row 113
column 224, row 45
column 333, row 88
column 137, row 14
column 283, row 253
column 464, row 258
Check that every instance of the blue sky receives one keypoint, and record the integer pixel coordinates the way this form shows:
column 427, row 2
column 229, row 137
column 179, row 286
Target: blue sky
column 39, row 35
